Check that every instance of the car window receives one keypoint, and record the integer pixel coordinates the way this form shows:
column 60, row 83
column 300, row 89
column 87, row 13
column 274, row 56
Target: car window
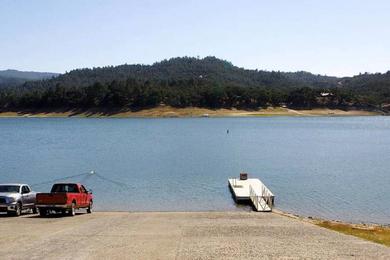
column 10, row 188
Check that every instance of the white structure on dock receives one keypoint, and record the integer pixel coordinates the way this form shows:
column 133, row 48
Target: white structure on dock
column 253, row 190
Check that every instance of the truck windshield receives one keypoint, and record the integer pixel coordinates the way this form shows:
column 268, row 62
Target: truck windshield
column 72, row 188
column 9, row 188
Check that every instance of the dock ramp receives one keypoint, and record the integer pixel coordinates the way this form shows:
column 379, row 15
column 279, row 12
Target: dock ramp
column 252, row 190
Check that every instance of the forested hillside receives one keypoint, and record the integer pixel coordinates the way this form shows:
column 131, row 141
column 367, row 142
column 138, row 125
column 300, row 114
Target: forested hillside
column 13, row 78
column 208, row 82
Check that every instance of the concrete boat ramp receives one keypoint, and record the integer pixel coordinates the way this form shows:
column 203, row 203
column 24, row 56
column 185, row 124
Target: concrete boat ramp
column 177, row 235
column 253, row 190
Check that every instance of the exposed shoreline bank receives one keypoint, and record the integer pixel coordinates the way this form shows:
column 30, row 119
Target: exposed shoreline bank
column 171, row 112
column 377, row 233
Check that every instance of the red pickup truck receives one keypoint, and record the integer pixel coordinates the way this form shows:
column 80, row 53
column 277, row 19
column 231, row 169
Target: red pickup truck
column 64, row 198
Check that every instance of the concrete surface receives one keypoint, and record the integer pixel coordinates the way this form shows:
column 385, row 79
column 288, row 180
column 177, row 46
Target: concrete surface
column 175, row 235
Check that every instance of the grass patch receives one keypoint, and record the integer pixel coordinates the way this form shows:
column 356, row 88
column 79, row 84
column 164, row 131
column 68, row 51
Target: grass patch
column 376, row 234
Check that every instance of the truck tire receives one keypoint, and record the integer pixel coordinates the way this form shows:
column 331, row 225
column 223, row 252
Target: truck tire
column 17, row 212
column 72, row 210
column 42, row 212
column 89, row 209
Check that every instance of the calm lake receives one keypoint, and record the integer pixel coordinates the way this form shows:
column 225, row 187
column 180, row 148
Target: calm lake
column 329, row 167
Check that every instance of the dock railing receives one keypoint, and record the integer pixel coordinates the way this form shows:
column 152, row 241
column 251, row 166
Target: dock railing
column 266, row 196
column 235, row 183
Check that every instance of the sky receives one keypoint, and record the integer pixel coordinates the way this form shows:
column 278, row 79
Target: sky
column 340, row 38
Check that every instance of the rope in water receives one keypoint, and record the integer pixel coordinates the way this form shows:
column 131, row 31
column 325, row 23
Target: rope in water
column 60, row 179
column 86, row 175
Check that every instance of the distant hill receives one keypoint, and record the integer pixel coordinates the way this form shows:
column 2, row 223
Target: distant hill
column 187, row 81
column 10, row 78
column 28, row 75
column 208, row 69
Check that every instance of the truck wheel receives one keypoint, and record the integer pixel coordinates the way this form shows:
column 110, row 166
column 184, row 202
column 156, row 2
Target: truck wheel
column 43, row 212
column 18, row 210
column 89, row 209
column 72, row 211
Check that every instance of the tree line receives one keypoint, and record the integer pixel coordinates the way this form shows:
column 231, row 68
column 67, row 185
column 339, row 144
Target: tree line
column 185, row 82
column 135, row 94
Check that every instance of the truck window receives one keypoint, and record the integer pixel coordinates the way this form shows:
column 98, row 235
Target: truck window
column 9, row 188
column 85, row 189
column 71, row 188
column 25, row 190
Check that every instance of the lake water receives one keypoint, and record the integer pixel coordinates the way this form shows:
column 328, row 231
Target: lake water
column 330, row 167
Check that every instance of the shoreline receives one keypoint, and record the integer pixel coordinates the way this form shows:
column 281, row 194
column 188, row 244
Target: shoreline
column 374, row 232
column 314, row 219
column 362, row 230
column 274, row 210
column 378, row 233
column 189, row 112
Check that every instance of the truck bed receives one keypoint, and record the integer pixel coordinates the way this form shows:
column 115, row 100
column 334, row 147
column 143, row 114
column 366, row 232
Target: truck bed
column 52, row 199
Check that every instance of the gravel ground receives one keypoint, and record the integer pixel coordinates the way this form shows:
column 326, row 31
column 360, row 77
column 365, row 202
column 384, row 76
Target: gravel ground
column 177, row 235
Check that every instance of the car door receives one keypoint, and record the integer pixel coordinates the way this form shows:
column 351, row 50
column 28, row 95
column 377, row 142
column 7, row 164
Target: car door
column 26, row 199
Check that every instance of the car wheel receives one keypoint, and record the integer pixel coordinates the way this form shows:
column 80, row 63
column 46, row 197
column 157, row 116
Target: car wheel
column 72, row 211
column 89, row 209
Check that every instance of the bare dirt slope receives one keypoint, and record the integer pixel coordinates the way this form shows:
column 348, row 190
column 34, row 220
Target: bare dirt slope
column 187, row 235
column 167, row 111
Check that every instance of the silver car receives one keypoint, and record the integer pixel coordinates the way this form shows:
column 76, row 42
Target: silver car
column 14, row 198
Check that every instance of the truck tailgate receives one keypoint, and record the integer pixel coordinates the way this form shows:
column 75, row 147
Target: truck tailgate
column 51, row 198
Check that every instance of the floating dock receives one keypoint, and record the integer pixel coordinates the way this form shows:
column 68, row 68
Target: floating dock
column 252, row 190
